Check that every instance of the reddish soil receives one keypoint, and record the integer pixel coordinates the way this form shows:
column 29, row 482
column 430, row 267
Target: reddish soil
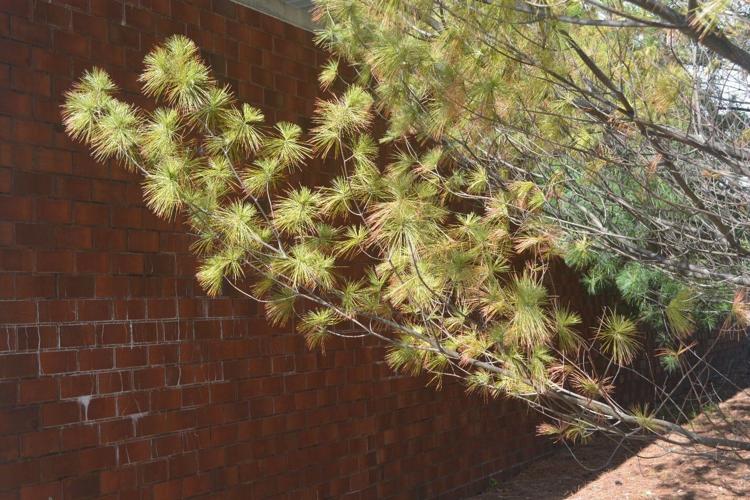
column 602, row 471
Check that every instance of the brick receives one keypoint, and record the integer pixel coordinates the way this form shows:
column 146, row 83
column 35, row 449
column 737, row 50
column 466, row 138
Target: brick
column 58, row 362
column 144, row 332
column 76, row 4
column 197, row 484
column 153, row 472
column 116, row 430
column 220, row 307
column 127, row 263
column 168, row 490
column 77, row 335
column 166, row 422
column 167, row 399
column 34, row 337
column 52, row 160
column 108, row 191
column 54, row 261
column 5, row 180
column 91, row 214
column 18, row 420
column 16, row 208
column 133, row 403
column 107, row 9
column 92, row 262
column 30, row 82
column 124, row 36
column 109, row 382
column 9, row 448
column 102, row 408
column 15, row 8
column 166, row 445
column 114, row 333
column 40, row 443
column 6, row 234
column 150, row 287
column 60, row 413
column 109, row 239
column 106, row 284
column 79, row 436
column 140, row 19
column 57, row 311
column 17, row 311
column 18, row 365
column 77, row 286
column 90, row 26
column 30, row 183
column 138, row 451
column 159, row 265
column 183, row 465
column 5, row 121
column 71, row 43
column 15, row 53
column 94, row 310
column 36, row 390
column 149, row 378
column 56, row 15
column 14, row 103
column 211, row 458
column 48, row 111
column 212, row 22
column 36, row 133
column 195, row 396
column 127, row 357
column 162, row 308
column 223, row 392
column 97, row 458
column 143, row 241
column 7, row 286
column 82, row 487
column 31, row 33
column 74, row 386
column 74, row 237
column 73, row 188
column 111, row 481
column 34, row 235
column 8, row 393
column 86, row 166
column 15, row 474
column 18, row 156
column 188, row 14
column 43, row 286
column 163, row 354
column 95, row 359
column 37, row 337
column 58, row 466
column 48, row 210
column 45, row 491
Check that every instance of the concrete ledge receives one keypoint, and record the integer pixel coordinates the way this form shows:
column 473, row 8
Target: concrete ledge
column 294, row 12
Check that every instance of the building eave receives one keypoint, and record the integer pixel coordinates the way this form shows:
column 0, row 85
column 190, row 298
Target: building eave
column 294, row 12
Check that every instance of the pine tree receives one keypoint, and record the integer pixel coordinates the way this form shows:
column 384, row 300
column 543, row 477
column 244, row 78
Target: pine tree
column 441, row 259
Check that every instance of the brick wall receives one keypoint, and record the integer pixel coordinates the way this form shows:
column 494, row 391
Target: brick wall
column 118, row 378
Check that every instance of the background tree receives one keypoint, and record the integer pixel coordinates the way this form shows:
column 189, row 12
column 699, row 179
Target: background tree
column 409, row 244
column 629, row 116
column 634, row 131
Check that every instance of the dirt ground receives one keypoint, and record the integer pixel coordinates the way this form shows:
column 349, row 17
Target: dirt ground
column 601, row 470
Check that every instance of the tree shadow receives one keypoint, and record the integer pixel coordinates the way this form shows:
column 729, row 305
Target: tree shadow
column 607, row 469
column 708, row 472
column 564, row 472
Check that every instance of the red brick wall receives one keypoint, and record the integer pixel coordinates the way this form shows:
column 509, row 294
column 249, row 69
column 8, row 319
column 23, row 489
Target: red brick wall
column 118, row 378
